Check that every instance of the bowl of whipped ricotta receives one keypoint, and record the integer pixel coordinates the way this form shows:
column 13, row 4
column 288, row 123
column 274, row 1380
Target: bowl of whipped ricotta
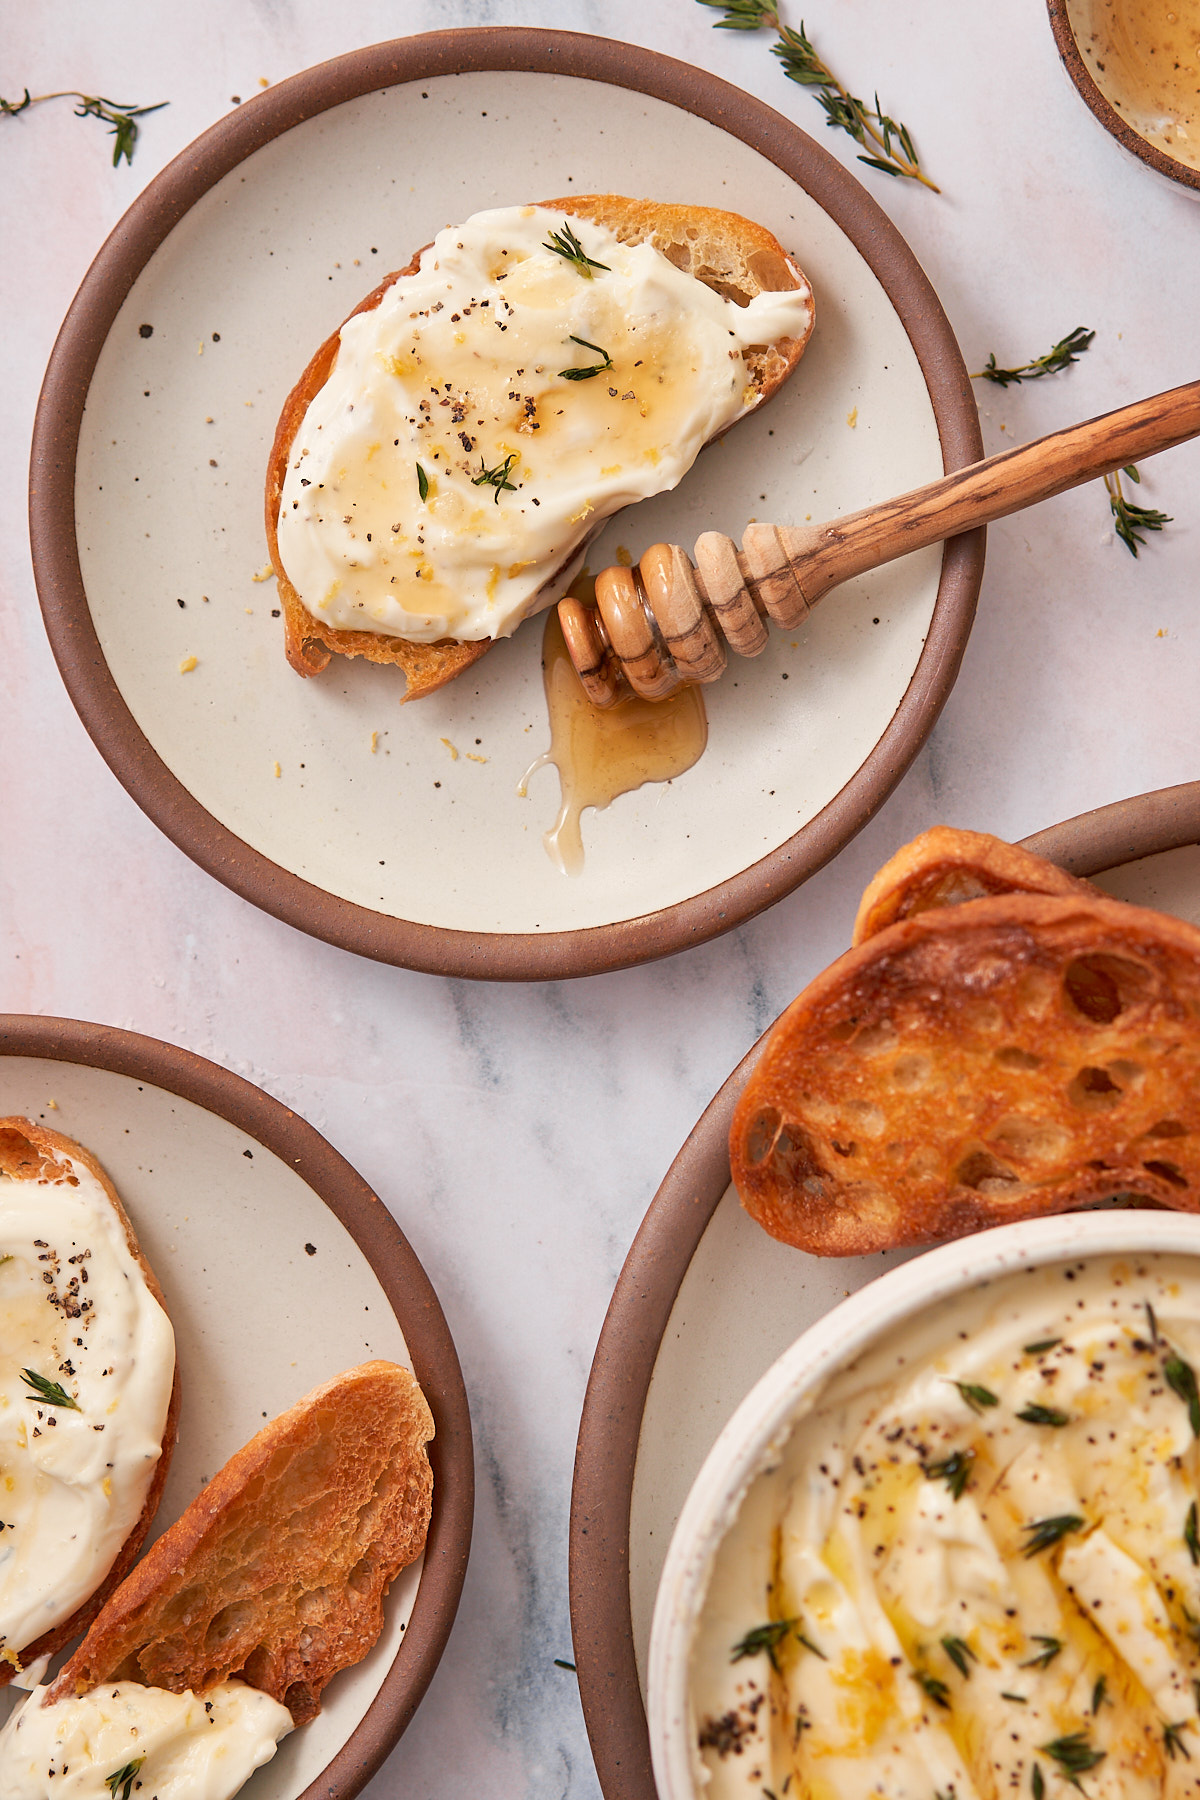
column 949, row 1545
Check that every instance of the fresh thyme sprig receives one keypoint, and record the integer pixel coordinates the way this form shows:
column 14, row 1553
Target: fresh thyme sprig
column 120, row 1784
column 122, row 119
column 890, row 147
column 1051, row 1647
column 564, row 243
column 1130, row 520
column 1074, row 1756
column 1042, row 1534
column 766, row 1638
column 1067, row 351
column 954, row 1470
column 497, row 477
column 50, row 1392
column 593, row 369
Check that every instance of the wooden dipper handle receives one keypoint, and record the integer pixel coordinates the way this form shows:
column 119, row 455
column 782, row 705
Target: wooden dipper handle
column 784, row 570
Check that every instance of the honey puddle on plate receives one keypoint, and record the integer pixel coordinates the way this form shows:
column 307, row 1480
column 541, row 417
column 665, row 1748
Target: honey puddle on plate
column 1144, row 56
column 601, row 754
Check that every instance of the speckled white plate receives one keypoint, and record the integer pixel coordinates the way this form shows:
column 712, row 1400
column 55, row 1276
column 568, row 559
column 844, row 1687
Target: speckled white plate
column 280, row 1269
column 707, row 1301
column 325, row 800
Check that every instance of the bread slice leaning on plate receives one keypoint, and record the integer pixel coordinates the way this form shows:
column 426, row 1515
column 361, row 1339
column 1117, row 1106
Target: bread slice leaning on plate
column 727, row 253
column 56, row 1272
column 276, row 1573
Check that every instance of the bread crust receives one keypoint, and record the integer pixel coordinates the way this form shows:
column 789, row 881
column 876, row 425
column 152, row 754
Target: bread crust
column 277, row 1571
column 975, row 1064
column 30, row 1152
column 945, row 866
column 732, row 251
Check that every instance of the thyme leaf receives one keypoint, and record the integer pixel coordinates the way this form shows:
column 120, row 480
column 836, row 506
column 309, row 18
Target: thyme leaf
column 1051, row 1647
column 497, row 477
column 1191, row 1536
column 766, row 1638
column 52, row 1393
column 1067, row 351
column 1036, row 1414
column 958, row 1650
column 1041, row 1534
column 121, row 118
column 888, row 145
column 1173, row 1742
column 937, row 1690
column 954, row 1470
column 1074, row 1756
column 1132, row 521
column 1099, row 1693
column 975, row 1396
column 120, row 1783
column 1037, row 1783
column 1042, row 1345
column 564, row 243
column 595, row 369
column 422, row 483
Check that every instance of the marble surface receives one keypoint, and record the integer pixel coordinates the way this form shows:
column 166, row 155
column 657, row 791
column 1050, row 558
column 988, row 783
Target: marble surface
column 518, row 1133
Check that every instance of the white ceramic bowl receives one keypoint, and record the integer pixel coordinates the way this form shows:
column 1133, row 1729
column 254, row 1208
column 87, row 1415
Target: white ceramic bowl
column 791, row 1385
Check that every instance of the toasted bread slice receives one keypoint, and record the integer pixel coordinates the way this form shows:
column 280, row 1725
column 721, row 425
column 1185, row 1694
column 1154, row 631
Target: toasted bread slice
column 30, row 1152
column 730, row 254
column 975, row 1064
column 277, row 1571
column 944, row 867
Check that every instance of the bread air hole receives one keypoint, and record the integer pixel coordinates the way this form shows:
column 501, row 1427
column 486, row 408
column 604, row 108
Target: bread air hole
column 1167, row 1128
column 1101, row 987
column 1012, row 1057
column 980, row 1170
column 1031, row 1140
column 1167, row 1171
column 1094, row 1090
column 795, row 1162
column 764, row 1128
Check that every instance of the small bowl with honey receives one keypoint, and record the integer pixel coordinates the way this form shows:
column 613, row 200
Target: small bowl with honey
column 1137, row 65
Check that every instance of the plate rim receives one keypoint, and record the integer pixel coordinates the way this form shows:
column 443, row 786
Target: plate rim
column 517, row 956
column 610, row 1425
column 411, row 1296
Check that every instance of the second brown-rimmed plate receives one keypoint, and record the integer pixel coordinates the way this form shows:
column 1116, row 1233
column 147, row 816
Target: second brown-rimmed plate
column 280, row 1268
column 705, row 1303
column 402, row 833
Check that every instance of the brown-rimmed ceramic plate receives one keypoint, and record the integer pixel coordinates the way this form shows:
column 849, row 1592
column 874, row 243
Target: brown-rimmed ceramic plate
column 401, row 832
column 280, row 1268
column 705, row 1303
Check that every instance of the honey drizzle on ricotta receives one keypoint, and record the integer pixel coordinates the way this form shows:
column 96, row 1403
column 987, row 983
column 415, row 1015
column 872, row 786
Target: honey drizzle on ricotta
column 76, row 1312
column 450, row 465
column 962, row 1595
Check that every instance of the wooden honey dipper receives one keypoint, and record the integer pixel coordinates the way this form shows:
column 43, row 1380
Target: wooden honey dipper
column 666, row 622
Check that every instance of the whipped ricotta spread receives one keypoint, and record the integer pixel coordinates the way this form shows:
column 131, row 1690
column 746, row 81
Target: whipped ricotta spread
column 493, row 408
column 87, row 1358
column 974, row 1570
column 123, row 1741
